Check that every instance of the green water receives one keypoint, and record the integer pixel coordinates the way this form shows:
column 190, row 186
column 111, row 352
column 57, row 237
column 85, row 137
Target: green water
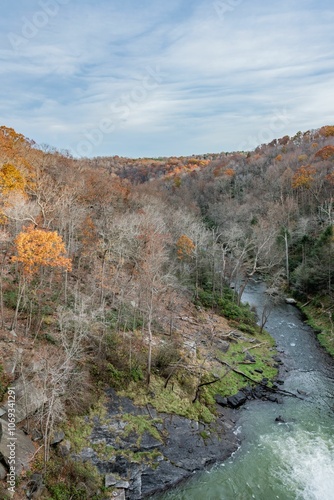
column 287, row 461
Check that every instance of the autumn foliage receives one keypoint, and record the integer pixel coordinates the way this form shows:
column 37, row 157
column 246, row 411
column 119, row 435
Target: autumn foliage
column 38, row 248
column 303, row 177
column 185, row 247
column 11, row 179
column 326, row 153
column 327, row 131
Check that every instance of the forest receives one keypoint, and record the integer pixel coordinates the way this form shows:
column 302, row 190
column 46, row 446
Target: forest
column 128, row 273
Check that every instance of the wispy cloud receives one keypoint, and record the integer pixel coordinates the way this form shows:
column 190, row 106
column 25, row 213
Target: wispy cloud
column 221, row 78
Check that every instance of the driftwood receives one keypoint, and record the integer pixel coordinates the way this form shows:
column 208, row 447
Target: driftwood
column 254, row 346
column 279, row 391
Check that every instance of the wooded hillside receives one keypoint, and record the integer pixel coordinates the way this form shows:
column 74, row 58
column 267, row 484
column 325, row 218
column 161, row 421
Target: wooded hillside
column 107, row 264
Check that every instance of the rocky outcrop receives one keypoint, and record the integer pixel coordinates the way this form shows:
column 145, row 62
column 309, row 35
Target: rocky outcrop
column 22, row 449
column 29, row 398
column 184, row 446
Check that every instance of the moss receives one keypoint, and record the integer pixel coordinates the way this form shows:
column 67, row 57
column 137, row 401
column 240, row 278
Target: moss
column 146, row 457
column 78, row 429
column 172, row 399
column 139, row 424
column 321, row 319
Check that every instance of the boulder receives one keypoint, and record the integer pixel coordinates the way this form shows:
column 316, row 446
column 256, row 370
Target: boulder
column 236, row 400
column 223, row 346
column 290, row 300
column 64, row 448
column 220, row 400
column 109, row 480
column 28, row 398
column 57, row 437
column 249, row 358
column 24, row 448
column 35, row 486
column 122, row 485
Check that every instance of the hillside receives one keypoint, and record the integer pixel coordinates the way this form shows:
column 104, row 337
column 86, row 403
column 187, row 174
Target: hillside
column 128, row 275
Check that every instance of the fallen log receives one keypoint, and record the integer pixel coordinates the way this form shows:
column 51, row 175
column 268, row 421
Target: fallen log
column 262, row 384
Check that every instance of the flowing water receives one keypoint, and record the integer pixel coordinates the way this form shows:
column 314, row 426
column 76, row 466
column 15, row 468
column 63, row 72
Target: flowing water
column 290, row 460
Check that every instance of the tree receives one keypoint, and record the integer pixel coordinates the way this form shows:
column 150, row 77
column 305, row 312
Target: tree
column 303, row 177
column 11, row 179
column 185, row 247
column 37, row 248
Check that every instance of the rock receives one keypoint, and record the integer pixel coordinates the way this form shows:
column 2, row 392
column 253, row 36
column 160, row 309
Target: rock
column 182, row 451
column 3, row 411
column 279, row 381
column 290, row 300
column 35, row 486
column 24, row 447
column 220, row 400
column 165, row 476
column 277, row 359
column 148, row 442
column 249, row 358
column 57, row 437
column 258, row 370
column 36, row 435
column 28, row 398
column 87, row 454
column 280, row 419
column 274, row 398
column 236, row 400
column 3, row 472
column 123, row 485
column 223, row 346
column 109, row 480
column 118, row 494
column 64, row 448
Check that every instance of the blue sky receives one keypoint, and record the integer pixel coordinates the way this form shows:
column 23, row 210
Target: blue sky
column 156, row 78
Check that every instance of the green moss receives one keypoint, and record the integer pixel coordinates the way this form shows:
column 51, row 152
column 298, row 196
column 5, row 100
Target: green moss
column 78, row 429
column 172, row 399
column 139, row 424
column 321, row 318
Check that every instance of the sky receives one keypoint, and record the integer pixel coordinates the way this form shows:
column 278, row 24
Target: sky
column 152, row 78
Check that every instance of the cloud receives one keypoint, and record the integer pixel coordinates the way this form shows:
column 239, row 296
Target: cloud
column 222, row 79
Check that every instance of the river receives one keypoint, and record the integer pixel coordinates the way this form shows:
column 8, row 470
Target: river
column 290, row 460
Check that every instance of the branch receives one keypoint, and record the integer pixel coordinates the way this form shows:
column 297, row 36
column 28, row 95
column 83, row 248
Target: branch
column 280, row 391
column 209, row 383
column 253, row 346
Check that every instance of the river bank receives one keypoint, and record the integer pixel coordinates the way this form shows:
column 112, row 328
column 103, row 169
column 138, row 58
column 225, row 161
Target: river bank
column 288, row 457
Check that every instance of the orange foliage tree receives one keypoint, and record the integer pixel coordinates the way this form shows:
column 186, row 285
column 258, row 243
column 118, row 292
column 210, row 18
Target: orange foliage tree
column 303, row 177
column 185, row 247
column 327, row 131
column 11, row 179
column 229, row 172
column 38, row 248
column 326, row 153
